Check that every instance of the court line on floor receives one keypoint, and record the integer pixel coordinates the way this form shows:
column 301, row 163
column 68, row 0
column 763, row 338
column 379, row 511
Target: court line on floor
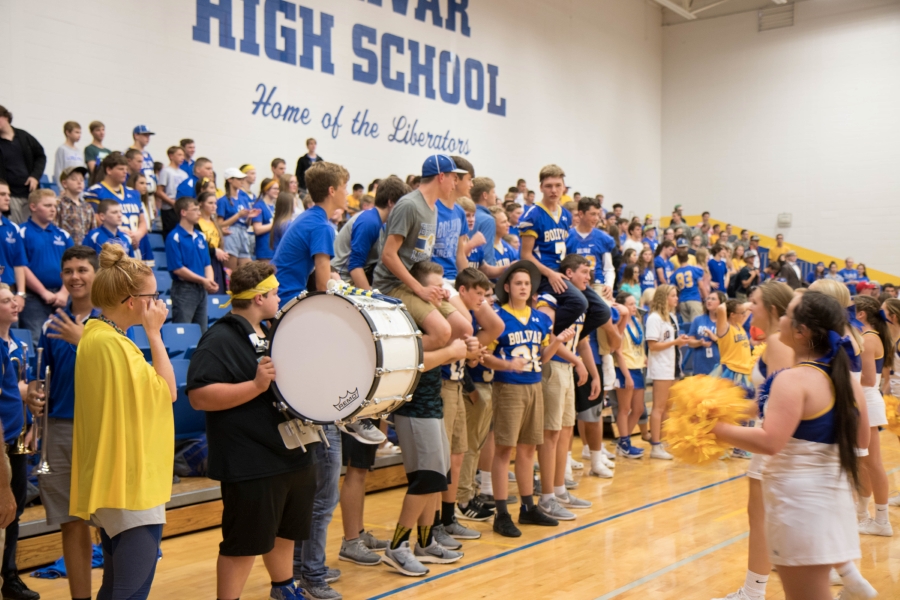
column 553, row 537
column 673, row 566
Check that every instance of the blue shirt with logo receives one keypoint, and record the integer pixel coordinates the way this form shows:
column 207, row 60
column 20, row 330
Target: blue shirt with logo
column 550, row 233
column 661, row 263
column 128, row 199
column 187, row 188
column 717, row 271
column 705, row 359
column 485, row 223
column 308, row 235
column 591, row 246
column 10, row 398
column 44, row 248
column 95, row 239
column 520, row 340
column 648, row 279
column 188, row 166
column 265, row 216
column 687, row 280
column 228, row 207
column 451, row 223
column 505, row 255
column 186, row 249
column 13, row 253
column 59, row 355
column 851, row 278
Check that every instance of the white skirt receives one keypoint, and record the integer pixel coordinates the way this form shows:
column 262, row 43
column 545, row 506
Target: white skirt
column 875, row 405
column 810, row 513
column 895, row 384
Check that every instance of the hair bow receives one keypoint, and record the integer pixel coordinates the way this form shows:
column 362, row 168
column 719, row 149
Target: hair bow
column 835, row 341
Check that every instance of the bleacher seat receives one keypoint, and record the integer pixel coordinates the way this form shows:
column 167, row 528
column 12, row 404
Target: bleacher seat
column 160, row 259
column 157, row 242
column 214, row 310
column 49, row 184
column 168, row 300
column 139, row 337
column 181, row 339
column 163, row 282
column 189, row 423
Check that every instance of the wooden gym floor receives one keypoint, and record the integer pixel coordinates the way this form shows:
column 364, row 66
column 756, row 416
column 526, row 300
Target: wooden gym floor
column 657, row 530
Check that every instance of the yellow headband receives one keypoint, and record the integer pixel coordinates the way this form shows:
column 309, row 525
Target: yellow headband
column 266, row 285
column 269, row 185
column 247, row 168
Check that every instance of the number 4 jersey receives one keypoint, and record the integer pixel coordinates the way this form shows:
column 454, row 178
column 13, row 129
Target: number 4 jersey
column 525, row 332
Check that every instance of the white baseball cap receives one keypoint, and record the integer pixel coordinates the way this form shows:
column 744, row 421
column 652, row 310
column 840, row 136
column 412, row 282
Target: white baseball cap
column 233, row 173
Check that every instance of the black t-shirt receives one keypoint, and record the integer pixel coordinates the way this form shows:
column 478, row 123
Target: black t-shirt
column 244, row 442
column 426, row 402
column 16, row 169
column 744, row 275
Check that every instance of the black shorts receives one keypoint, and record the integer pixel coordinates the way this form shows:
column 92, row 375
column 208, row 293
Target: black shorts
column 583, row 392
column 356, row 454
column 259, row 510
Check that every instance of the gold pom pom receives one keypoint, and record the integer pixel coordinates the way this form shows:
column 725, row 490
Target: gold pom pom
column 696, row 404
column 893, row 414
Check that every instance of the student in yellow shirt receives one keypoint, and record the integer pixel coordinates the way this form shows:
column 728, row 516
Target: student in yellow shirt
column 735, row 354
column 630, row 363
column 122, row 450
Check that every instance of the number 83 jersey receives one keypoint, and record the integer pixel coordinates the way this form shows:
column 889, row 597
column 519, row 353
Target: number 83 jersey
column 525, row 332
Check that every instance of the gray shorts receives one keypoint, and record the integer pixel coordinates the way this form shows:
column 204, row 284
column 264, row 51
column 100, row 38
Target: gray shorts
column 426, row 454
column 591, row 415
column 55, row 486
column 237, row 243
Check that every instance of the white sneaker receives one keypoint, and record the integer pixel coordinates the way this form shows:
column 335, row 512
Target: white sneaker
column 586, row 453
column 606, row 462
column 607, row 453
column 575, row 464
column 740, row 595
column 389, row 449
column 602, row 471
column 895, row 501
column 864, row 593
column 873, row 527
column 569, row 470
column 364, row 431
column 834, row 578
column 659, row 451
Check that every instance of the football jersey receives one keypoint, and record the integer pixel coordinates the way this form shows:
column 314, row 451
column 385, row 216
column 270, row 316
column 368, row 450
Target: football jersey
column 147, row 170
column 591, row 246
column 522, row 340
column 479, row 373
column 550, row 232
column 132, row 207
column 505, row 254
column 687, row 280
column 549, row 300
column 476, row 257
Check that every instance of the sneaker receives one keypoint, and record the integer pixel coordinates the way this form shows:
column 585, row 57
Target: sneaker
column 401, row 559
column 537, row 487
column 739, row 595
column 834, row 578
column 286, row 592
column 332, row 575
column 512, row 476
column 439, row 532
column 738, row 453
column 536, row 516
column 571, row 484
column 603, row 472
column 15, row 588
column 436, row 553
column 658, row 451
column 860, row 594
column 586, row 452
column 355, row 551
column 364, row 431
column 607, row 453
column 489, row 502
column 576, row 464
column 475, row 510
column 625, row 449
column 389, row 449
column 895, row 501
column 872, row 527
column 372, row 543
column 458, row 532
column 606, row 462
column 570, row 501
column 319, row 591
column 503, row 524
column 552, row 509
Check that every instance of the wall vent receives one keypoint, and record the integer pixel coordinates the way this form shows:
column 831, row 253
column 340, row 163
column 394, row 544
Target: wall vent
column 776, row 17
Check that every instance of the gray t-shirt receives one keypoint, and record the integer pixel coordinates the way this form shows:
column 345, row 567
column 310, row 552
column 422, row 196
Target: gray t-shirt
column 116, row 520
column 416, row 221
column 342, row 248
column 169, row 179
column 66, row 157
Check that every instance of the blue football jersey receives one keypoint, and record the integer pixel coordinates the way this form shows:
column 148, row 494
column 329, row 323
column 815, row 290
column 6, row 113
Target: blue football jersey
column 549, row 231
column 479, row 373
column 132, row 207
column 591, row 246
column 505, row 254
column 687, row 280
column 522, row 340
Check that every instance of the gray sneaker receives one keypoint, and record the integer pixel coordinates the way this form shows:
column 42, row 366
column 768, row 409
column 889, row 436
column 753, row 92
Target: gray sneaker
column 332, row 575
column 355, row 551
column 552, row 509
column 435, row 553
column 372, row 543
column 460, row 532
column 443, row 538
column 365, row 431
column 319, row 591
column 402, row 560
column 571, row 484
column 570, row 501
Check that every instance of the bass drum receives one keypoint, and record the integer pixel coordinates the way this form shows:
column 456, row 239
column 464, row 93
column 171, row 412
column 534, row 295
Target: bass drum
column 339, row 358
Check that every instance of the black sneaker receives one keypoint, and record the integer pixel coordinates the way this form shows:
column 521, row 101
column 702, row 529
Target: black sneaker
column 15, row 589
column 474, row 511
column 488, row 501
column 503, row 524
column 536, row 516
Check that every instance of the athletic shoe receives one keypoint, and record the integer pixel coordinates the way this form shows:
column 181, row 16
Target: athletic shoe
column 365, row 431
column 511, row 476
column 740, row 595
column 895, row 501
column 537, row 487
column 475, row 510
column 586, row 452
column 536, row 516
column 388, row 449
column 489, row 502
column 355, row 551
column 15, row 588
column 570, row 501
column 439, row 532
column 401, row 559
column 552, row 509
column 658, row 451
column 576, row 464
column 625, row 449
column 603, row 472
column 870, row 526
column 606, row 462
column 286, row 592
column 738, row 453
column 437, row 554
column 458, row 532
column 318, row 591
column 332, row 575
column 372, row 543
column 503, row 524
column 863, row 594
column 606, row 452
column 834, row 578
column 571, row 484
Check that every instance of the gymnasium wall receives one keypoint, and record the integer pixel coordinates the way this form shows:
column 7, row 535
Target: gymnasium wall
column 801, row 120
column 510, row 84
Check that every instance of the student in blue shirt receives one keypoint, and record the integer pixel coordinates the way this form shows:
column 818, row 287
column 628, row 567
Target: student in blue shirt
column 235, row 212
column 308, row 244
column 450, row 239
column 262, row 223
column 504, row 253
column 141, row 137
column 59, row 339
column 705, row 350
column 686, row 279
column 12, row 255
column 650, row 237
column 485, row 196
column 646, row 271
column 44, row 246
column 109, row 214
column 594, row 244
column 189, row 148
column 662, row 262
column 115, row 171
column 718, row 268
column 187, row 258
column 850, row 275
column 203, row 170
column 514, row 212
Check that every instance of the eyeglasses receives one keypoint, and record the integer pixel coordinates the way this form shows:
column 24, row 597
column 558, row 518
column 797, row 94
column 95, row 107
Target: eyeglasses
column 154, row 296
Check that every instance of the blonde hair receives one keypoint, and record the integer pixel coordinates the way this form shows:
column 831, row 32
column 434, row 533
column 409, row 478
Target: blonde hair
column 660, row 302
column 647, row 297
column 119, row 277
column 35, row 197
column 467, row 204
column 839, row 292
column 551, row 171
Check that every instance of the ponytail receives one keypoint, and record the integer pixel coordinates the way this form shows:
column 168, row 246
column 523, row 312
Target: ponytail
column 878, row 322
column 846, row 415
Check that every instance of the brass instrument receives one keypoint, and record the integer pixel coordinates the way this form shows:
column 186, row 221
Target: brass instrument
column 41, row 436
column 21, row 366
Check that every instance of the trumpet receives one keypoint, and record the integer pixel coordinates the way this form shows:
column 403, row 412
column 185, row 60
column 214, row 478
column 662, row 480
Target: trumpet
column 41, row 436
column 21, row 367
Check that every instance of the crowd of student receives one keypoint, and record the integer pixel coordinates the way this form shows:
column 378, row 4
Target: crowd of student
column 533, row 313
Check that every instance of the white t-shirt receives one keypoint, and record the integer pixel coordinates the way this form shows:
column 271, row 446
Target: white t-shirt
column 169, row 179
column 660, row 365
column 638, row 246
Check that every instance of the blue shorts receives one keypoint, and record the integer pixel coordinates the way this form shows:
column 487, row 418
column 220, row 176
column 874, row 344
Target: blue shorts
column 745, row 382
column 637, row 376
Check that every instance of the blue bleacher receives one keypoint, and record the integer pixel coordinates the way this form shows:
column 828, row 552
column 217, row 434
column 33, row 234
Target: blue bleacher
column 159, row 259
column 168, row 300
column 157, row 242
column 214, row 310
column 181, row 339
column 49, row 184
column 163, row 282
column 139, row 337
column 189, row 423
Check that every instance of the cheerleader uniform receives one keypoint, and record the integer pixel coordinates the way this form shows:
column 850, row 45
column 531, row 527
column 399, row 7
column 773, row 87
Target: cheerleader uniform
column 874, row 400
column 810, row 513
column 759, row 376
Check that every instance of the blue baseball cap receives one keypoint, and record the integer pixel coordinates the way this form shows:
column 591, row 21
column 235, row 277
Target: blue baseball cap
column 142, row 129
column 682, row 243
column 440, row 163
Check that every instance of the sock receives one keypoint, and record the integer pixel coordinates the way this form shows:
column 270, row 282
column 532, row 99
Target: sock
column 862, row 506
column 401, row 534
column 755, row 585
column 282, row 583
column 881, row 514
column 569, row 456
column 487, row 484
column 527, row 502
column 501, row 507
column 851, row 576
column 425, row 536
column 463, row 505
column 559, row 490
column 596, row 460
column 546, row 497
column 437, row 519
column 447, row 513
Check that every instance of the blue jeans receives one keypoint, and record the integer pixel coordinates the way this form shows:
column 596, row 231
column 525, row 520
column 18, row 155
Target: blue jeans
column 309, row 555
column 189, row 304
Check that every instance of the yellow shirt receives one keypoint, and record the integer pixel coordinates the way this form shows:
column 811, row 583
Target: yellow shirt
column 692, row 261
column 209, row 230
column 738, row 263
column 633, row 353
column 734, row 351
column 123, row 442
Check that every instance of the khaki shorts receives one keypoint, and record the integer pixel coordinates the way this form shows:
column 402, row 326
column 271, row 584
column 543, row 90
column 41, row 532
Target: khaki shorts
column 455, row 415
column 558, row 386
column 518, row 414
column 418, row 308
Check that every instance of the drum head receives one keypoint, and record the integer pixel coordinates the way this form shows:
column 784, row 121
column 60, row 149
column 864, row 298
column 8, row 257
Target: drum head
column 324, row 357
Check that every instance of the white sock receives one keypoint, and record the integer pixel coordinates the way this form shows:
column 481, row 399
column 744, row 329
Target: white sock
column 881, row 514
column 568, row 471
column 559, row 490
column 569, row 454
column 755, row 585
column 851, row 576
column 597, row 460
column 862, row 506
column 487, row 485
column 546, row 497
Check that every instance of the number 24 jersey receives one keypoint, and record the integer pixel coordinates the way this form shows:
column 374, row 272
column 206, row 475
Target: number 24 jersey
column 524, row 334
